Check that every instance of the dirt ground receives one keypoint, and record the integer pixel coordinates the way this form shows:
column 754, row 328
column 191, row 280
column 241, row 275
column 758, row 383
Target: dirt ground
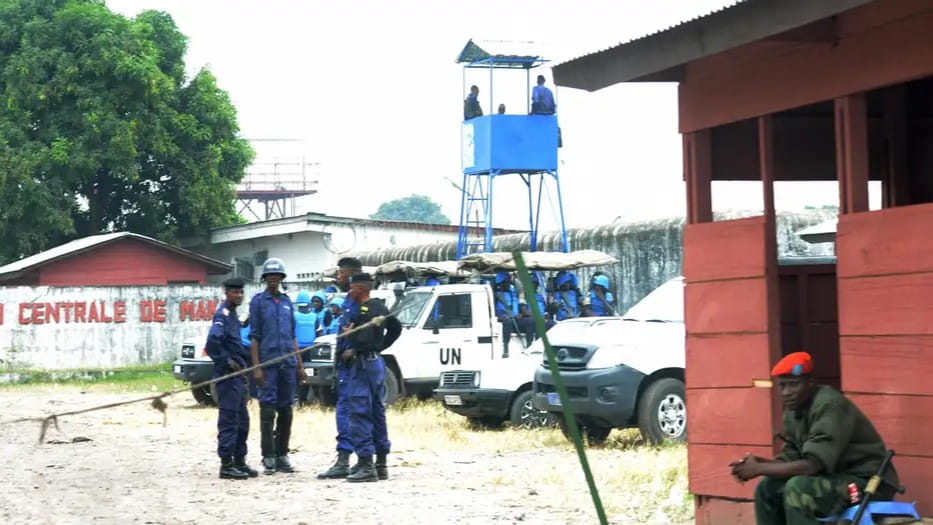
column 134, row 470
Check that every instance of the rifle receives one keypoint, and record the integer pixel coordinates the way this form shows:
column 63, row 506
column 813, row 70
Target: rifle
column 873, row 483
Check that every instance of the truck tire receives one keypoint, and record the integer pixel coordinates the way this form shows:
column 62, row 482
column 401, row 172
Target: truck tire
column 662, row 412
column 203, row 396
column 594, row 434
column 392, row 390
column 523, row 415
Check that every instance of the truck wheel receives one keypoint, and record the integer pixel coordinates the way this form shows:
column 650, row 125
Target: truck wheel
column 662, row 412
column 203, row 396
column 594, row 434
column 391, row 391
column 524, row 415
column 303, row 395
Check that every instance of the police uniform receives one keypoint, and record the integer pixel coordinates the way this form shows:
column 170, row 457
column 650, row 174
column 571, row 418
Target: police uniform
column 832, row 432
column 226, row 350
column 507, row 312
column 306, row 323
column 566, row 298
column 366, row 387
column 272, row 325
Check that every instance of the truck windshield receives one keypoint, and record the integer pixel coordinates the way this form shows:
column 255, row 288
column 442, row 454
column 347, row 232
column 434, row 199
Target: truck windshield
column 664, row 305
column 408, row 309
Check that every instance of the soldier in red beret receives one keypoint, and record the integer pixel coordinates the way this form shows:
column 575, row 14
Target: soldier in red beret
column 828, row 445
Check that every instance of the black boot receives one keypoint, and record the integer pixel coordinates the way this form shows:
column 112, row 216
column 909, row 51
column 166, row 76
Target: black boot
column 266, row 431
column 283, row 431
column 355, row 467
column 382, row 469
column 268, row 465
column 240, row 464
column 340, row 469
column 282, row 464
column 366, row 472
column 229, row 471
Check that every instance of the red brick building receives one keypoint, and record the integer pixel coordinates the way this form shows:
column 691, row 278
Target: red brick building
column 112, row 259
column 800, row 90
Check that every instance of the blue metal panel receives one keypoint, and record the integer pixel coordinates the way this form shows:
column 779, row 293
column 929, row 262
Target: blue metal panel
column 510, row 144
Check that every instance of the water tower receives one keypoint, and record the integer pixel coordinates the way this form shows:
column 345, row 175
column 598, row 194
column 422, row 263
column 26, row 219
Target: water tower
column 520, row 146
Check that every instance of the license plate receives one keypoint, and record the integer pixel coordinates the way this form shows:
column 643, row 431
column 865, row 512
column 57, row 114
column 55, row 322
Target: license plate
column 177, row 369
column 553, row 399
column 453, row 400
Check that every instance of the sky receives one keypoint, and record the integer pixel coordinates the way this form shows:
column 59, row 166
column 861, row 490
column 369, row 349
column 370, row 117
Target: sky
column 371, row 97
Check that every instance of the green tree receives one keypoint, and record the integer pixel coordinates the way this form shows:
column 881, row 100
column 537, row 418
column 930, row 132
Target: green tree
column 414, row 208
column 100, row 130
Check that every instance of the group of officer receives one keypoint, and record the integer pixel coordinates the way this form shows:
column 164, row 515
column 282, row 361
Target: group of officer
column 276, row 331
column 566, row 301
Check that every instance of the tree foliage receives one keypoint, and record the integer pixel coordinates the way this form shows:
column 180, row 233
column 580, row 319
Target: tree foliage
column 414, row 208
column 100, row 130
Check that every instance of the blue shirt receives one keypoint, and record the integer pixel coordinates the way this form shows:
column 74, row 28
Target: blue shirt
column 223, row 340
column 568, row 304
column 599, row 307
column 506, row 303
column 350, row 309
column 272, row 323
column 542, row 101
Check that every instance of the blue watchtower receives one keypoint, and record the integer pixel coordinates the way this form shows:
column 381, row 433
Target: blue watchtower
column 493, row 145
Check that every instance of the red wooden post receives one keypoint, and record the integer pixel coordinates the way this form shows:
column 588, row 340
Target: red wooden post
column 895, row 191
column 698, row 172
column 852, row 153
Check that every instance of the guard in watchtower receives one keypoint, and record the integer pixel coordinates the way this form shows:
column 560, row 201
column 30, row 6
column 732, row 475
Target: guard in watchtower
column 272, row 335
column 368, row 431
column 225, row 348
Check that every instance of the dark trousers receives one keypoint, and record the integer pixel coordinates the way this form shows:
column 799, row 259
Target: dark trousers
column 800, row 500
column 232, row 418
column 368, row 432
column 524, row 325
column 343, row 408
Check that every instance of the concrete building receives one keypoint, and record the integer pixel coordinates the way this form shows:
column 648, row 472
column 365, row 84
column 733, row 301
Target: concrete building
column 313, row 242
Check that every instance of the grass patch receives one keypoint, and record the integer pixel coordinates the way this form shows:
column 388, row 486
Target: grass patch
column 137, row 378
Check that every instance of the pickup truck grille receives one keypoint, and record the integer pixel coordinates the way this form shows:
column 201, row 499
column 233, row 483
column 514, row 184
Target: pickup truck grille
column 457, row 378
column 187, row 351
column 572, row 391
column 319, row 353
column 569, row 357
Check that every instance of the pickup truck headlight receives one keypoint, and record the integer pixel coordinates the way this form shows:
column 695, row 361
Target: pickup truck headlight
column 476, row 377
column 608, row 356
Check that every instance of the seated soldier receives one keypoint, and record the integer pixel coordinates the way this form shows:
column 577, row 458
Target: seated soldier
column 828, row 445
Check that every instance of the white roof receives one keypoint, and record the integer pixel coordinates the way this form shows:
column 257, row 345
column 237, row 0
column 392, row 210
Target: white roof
column 822, row 232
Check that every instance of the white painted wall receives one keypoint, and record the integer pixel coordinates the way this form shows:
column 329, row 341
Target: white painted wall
column 307, row 253
column 67, row 345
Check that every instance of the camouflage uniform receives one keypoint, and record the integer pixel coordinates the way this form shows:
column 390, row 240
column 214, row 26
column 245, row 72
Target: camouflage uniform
column 835, row 434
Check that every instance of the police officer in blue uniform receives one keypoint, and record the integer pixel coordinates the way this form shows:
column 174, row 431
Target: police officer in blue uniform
column 567, row 297
column 272, row 334
column 601, row 300
column 508, row 312
column 335, row 307
column 306, row 320
column 229, row 355
column 368, row 431
column 346, row 268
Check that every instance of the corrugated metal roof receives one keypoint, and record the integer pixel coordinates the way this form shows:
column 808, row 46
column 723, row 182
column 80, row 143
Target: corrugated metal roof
column 661, row 55
column 657, row 31
column 94, row 241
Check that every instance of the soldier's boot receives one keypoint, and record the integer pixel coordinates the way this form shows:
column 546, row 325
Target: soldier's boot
column 283, row 430
column 240, row 464
column 365, row 472
column 340, row 469
column 382, row 469
column 268, row 465
column 267, row 437
column 282, row 464
column 229, row 471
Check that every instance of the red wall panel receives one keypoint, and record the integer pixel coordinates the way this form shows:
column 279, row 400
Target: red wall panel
column 125, row 262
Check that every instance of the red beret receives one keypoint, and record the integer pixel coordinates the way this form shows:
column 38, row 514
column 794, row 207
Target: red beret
column 796, row 364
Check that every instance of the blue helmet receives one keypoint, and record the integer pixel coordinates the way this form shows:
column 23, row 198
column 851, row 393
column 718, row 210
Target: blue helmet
column 501, row 277
column 331, row 289
column 432, row 281
column 601, row 280
column 336, row 301
column 563, row 277
column 303, row 297
column 273, row 266
column 321, row 296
